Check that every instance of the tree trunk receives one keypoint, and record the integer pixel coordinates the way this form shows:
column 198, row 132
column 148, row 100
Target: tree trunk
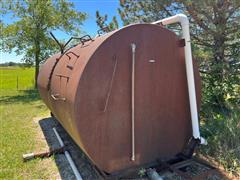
column 37, row 62
column 218, row 75
column 36, row 72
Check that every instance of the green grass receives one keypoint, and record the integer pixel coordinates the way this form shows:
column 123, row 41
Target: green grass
column 16, row 78
column 19, row 134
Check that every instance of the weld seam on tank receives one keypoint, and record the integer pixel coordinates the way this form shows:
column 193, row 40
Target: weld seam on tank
column 111, row 84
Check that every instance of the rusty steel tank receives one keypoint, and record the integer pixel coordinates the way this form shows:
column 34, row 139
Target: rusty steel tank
column 89, row 89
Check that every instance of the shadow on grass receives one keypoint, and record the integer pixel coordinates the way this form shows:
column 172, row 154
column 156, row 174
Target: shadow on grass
column 80, row 159
column 24, row 96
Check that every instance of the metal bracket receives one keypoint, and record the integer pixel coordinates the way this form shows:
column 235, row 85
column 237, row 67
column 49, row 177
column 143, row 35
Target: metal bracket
column 57, row 97
column 189, row 149
column 70, row 52
column 103, row 30
column 181, row 43
column 60, row 75
column 85, row 38
column 82, row 39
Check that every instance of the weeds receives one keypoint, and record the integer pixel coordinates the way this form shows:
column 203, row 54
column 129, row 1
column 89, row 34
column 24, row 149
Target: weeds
column 223, row 136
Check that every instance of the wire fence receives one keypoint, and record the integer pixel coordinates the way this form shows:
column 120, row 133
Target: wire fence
column 17, row 83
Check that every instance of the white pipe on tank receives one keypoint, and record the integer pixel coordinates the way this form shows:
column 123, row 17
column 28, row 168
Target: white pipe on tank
column 183, row 20
column 133, row 46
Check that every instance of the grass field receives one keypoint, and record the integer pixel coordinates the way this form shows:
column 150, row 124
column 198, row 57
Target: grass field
column 16, row 78
column 19, row 133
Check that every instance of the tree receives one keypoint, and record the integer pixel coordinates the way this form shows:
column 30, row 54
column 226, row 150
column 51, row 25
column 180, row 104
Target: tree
column 215, row 35
column 102, row 22
column 145, row 11
column 28, row 34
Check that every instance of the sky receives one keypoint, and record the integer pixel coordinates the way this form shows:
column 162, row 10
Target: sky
column 108, row 7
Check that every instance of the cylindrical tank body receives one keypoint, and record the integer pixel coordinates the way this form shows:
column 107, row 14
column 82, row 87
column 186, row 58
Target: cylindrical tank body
column 88, row 89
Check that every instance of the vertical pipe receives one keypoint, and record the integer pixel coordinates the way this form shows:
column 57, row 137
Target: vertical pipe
column 133, row 107
column 190, row 80
column 183, row 20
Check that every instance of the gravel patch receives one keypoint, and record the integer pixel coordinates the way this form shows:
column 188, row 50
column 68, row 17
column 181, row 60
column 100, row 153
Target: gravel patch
column 82, row 163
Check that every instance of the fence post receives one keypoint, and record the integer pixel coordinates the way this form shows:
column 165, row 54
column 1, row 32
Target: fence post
column 17, row 82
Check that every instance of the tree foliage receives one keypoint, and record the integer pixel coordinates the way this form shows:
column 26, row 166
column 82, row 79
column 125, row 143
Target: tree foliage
column 215, row 38
column 28, row 33
column 102, row 22
column 145, row 11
